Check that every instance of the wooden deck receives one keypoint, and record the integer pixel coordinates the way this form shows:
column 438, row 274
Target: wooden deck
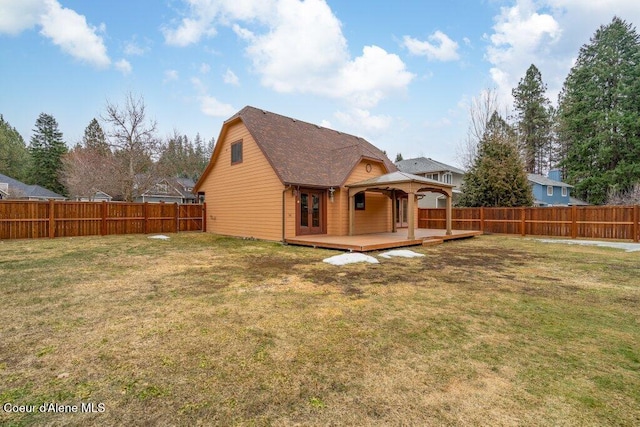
column 377, row 241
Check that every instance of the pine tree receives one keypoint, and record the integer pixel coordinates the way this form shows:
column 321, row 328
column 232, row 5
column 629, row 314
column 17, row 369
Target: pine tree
column 497, row 176
column 94, row 138
column 599, row 114
column 533, row 114
column 399, row 157
column 14, row 156
column 47, row 149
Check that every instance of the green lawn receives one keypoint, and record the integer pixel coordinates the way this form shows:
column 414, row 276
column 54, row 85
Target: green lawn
column 206, row 330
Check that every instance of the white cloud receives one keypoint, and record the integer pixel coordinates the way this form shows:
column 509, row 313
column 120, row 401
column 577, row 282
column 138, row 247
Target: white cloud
column 439, row 47
column 131, row 48
column 549, row 34
column 123, row 66
column 170, row 75
column 190, row 31
column 64, row 27
column 362, row 122
column 298, row 47
column 17, row 16
column 214, row 108
column 70, row 31
column 230, row 78
column 205, row 68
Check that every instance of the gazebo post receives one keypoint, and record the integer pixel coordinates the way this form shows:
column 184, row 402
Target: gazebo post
column 394, row 211
column 411, row 232
column 449, row 213
column 352, row 212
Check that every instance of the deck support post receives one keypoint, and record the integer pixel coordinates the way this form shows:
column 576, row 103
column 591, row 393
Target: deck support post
column 352, row 212
column 449, row 213
column 394, row 211
column 411, row 232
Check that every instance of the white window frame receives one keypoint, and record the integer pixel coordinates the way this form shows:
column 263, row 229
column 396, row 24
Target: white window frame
column 564, row 191
column 549, row 190
column 447, row 178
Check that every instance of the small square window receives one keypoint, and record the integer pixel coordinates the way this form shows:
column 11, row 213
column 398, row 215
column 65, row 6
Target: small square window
column 236, row 152
column 549, row 190
column 359, row 201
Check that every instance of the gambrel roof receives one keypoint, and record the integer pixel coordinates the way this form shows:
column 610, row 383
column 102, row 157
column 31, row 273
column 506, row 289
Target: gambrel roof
column 303, row 153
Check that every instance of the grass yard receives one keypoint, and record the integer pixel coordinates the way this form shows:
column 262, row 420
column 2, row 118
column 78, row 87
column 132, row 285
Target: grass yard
column 204, row 330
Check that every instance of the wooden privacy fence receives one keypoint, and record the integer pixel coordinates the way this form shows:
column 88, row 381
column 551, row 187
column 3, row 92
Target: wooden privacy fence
column 592, row 222
column 34, row 219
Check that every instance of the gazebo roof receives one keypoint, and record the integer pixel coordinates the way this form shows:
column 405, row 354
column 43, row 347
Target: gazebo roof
column 392, row 179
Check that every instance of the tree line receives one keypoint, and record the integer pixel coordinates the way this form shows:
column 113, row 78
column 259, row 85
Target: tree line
column 593, row 135
column 124, row 159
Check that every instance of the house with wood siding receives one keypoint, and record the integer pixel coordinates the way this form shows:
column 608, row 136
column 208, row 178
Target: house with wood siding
column 274, row 177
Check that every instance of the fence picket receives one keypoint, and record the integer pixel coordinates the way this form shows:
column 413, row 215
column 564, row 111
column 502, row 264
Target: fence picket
column 594, row 222
column 23, row 219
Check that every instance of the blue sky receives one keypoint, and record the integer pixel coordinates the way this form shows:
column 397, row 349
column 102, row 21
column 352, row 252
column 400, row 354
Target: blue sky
column 401, row 73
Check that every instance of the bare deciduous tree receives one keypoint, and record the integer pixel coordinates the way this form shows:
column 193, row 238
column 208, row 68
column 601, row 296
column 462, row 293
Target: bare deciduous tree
column 132, row 137
column 481, row 108
column 631, row 197
column 86, row 170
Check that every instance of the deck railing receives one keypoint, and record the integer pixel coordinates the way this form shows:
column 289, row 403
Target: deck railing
column 592, row 222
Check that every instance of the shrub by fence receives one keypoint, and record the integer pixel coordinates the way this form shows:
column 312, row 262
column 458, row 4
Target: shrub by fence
column 34, row 219
column 593, row 222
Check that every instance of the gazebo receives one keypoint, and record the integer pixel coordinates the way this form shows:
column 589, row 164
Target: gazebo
column 399, row 184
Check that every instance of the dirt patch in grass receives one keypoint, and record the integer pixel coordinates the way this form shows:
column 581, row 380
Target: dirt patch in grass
column 202, row 329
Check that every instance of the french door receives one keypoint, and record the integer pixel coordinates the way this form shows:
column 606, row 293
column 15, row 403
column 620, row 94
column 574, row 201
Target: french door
column 310, row 212
column 402, row 207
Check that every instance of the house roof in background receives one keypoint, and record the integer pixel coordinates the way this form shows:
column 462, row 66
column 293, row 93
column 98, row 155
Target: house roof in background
column 577, row 202
column 398, row 178
column 426, row 165
column 303, row 153
column 29, row 191
column 543, row 180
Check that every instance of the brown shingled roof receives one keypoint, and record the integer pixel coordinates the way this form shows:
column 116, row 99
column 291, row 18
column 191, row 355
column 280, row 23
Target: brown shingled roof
column 305, row 154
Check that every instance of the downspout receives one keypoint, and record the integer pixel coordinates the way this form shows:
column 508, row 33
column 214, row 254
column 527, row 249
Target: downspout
column 283, row 212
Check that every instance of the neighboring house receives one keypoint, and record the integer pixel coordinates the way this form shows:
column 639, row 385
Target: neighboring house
column 96, row 196
column 437, row 171
column 550, row 190
column 170, row 190
column 273, row 177
column 14, row 189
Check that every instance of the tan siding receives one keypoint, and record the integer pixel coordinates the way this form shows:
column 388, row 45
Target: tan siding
column 244, row 199
column 376, row 217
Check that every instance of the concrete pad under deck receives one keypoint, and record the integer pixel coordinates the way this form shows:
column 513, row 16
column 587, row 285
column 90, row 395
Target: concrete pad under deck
column 378, row 241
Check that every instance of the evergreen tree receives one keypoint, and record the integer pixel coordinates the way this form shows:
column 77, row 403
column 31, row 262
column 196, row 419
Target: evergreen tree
column 47, row 149
column 599, row 114
column 399, row 157
column 14, row 156
column 94, row 138
column 533, row 115
column 497, row 176
column 181, row 158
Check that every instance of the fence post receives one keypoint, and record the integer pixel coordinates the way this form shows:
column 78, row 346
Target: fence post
column 636, row 222
column 204, row 217
column 482, row 219
column 574, row 222
column 103, row 230
column 145, row 213
column 177, row 217
column 523, row 222
column 52, row 221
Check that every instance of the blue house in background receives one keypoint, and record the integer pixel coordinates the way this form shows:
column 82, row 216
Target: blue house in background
column 550, row 190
